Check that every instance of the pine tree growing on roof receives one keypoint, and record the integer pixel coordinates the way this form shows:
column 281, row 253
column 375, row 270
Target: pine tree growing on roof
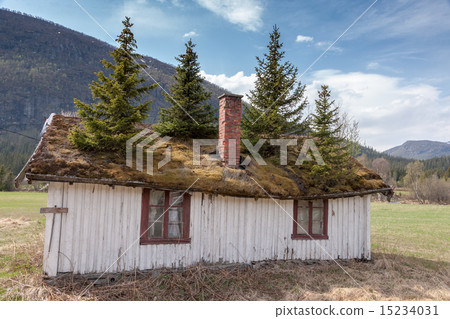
column 110, row 122
column 277, row 102
column 189, row 115
column 326, row 129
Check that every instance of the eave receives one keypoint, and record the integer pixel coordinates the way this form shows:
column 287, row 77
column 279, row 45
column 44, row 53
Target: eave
column 111, row 182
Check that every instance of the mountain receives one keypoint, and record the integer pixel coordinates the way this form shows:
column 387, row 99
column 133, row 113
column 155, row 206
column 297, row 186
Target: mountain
column 44, row 66
column 420, row 150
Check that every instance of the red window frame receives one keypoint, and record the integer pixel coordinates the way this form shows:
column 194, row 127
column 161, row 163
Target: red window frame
column 324, row 235
column 145, row 212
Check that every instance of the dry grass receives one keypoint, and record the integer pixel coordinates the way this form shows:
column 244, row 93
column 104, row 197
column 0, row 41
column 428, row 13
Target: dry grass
column 388, row 277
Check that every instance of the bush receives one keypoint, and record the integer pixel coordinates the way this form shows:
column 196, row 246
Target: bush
column 435, row 190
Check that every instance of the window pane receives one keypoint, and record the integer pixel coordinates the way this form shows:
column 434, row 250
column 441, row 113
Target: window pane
column 317, row 222
column 175, row 215
column 156, row 230
column 175, row 222
column 156, row 214
column 175, row 230
column 317, row 203
column 156, row 222
column 302, row 220
column 157, row 198
column 176, row 198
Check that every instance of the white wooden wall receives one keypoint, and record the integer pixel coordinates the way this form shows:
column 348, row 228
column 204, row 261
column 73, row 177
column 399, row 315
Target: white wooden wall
column 101, row 231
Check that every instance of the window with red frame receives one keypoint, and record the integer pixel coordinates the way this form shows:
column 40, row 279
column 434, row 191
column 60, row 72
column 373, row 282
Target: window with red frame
column 165, row 217
column 310, row 219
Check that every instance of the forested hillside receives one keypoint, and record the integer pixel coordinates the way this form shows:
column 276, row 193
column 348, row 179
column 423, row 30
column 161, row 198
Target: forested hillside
column 43, row 67
column 397, row 165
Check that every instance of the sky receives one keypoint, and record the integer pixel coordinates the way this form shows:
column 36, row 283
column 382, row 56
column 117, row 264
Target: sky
column 386, row 62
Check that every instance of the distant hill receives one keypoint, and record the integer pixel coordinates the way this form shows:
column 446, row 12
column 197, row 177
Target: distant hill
column 436, row 165
column 44, row 66
column 420, row 150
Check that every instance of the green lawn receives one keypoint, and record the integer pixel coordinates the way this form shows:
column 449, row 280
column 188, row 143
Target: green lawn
column 412, row 230
column 21, row 204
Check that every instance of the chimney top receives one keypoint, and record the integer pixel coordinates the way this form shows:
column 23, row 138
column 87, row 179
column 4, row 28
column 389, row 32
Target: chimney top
column 230, row 95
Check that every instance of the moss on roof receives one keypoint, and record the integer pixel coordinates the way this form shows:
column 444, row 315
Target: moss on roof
column 56, row 159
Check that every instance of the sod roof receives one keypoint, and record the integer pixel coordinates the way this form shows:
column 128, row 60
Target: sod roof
column 56, row 159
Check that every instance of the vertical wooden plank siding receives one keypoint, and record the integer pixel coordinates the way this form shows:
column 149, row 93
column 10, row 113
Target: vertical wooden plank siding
column 52, row 230
column 101, row 231
column 367, row 229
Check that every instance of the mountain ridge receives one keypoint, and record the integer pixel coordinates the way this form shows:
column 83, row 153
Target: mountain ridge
column 420, row 149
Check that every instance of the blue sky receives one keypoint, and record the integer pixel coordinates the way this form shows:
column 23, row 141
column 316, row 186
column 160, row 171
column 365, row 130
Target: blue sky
column 390, row 70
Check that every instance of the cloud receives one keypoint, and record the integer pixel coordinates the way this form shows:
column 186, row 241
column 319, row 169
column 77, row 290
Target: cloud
column 388, row 110
column 245, row 13
column 373, row 66
column 190, row 34
column 237, row 84
column 303, row 38
column 325, row 44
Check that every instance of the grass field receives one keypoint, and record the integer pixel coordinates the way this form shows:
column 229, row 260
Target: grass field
column 19, row 204
column 410, row 262
column 411, row 230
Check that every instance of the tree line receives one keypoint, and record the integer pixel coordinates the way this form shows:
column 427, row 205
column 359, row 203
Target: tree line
column 427, row 180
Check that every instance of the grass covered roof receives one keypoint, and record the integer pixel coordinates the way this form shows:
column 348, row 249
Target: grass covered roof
column 56, row 159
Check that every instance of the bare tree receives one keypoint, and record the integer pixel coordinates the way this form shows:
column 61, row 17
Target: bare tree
column 349, row 132
column 364, row 160
column 381, row 167
column 434, row 189
column 414, row 172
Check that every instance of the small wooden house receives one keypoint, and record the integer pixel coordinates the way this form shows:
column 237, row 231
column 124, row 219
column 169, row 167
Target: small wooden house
column 104, row 216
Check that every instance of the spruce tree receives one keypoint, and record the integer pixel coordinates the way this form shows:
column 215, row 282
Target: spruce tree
column 110, row 122
column 9, row 181
column 278, row 101
column 2, row 178
column 6, row 179
column 188, row 116
column 326, row 128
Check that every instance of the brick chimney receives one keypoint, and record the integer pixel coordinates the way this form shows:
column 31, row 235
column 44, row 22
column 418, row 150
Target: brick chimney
column 230, row 129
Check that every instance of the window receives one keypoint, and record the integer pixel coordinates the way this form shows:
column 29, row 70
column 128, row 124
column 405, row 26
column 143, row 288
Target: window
column 165, row 217
column 310, row 219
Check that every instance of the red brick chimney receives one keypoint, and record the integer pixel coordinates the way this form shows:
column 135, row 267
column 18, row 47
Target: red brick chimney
column 230, row 129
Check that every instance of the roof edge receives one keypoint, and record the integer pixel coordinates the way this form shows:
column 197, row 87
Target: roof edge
column 19, row 178
column 387, row 191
